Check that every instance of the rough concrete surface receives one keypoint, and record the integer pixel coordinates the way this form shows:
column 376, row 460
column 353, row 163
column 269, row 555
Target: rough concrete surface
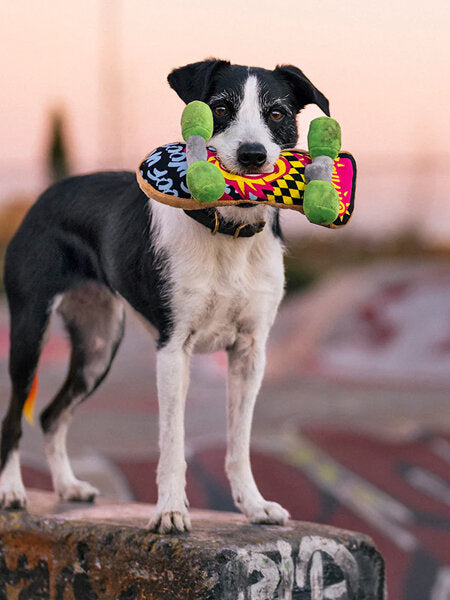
column 61, row 551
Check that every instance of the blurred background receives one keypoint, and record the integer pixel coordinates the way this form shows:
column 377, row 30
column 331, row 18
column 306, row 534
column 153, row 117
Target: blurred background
column 353, row 421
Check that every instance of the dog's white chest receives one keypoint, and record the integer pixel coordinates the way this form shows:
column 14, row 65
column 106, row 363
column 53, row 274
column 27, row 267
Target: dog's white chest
column 219, row 318
column 221, row 286
column 219, row 303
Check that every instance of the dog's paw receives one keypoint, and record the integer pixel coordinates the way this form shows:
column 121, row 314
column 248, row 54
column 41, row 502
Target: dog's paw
column 13, row 499
column 174, row 521
column 77, row 491
column 268, row 513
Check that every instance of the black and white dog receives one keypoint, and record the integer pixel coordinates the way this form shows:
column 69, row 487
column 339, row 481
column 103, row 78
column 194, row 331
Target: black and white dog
column 91, row 242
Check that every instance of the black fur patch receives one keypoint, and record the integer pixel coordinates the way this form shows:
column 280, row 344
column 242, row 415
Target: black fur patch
column 89, row 228
column 218, row 82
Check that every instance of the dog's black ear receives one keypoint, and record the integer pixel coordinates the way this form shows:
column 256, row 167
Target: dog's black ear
column 304, row 91
column 193, row 82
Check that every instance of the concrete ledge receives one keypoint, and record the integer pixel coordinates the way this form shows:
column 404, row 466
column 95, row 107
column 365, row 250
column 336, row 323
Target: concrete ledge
column 73, row 552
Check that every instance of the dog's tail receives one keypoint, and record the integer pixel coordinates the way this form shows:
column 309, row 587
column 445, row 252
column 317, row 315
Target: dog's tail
column 28, row 407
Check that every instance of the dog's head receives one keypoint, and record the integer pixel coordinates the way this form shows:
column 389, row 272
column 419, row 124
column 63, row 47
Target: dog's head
column 254, row 109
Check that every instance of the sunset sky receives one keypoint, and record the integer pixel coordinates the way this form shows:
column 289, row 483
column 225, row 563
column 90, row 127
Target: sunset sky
column 383, row 65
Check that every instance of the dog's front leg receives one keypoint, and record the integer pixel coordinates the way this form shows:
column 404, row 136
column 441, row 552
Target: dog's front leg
column 171, row 514
column 246, row 362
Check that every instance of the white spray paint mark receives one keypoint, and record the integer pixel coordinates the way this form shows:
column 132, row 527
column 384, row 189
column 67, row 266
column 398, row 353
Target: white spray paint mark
column 304, row 570
column 310, row 546
column 316, row 576
column 286, row 569
column 266, row 586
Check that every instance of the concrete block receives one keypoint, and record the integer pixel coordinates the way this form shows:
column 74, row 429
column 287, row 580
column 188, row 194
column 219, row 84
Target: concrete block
column 76, row 552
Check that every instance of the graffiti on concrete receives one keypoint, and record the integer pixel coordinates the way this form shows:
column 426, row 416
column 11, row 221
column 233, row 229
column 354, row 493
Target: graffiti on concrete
column 316, row 568
column 321, row 569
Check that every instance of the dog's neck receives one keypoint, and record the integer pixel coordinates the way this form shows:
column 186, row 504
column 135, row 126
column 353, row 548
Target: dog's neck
column 239, row 215
column 231, row 220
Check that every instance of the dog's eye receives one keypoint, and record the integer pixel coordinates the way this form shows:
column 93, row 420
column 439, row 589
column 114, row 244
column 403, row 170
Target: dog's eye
column 276, row 115
column 221, row 111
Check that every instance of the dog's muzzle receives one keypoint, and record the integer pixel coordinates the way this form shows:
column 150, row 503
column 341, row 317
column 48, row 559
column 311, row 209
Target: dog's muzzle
column 251, row 156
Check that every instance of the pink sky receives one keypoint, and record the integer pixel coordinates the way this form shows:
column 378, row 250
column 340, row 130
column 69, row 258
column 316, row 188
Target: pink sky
column 383, row 65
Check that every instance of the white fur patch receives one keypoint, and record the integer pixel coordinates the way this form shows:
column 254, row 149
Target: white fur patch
column 12, row 490
column 65, row 484
column 247, row 127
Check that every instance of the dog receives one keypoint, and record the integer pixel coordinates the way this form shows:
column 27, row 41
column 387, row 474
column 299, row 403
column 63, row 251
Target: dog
column 91, row 243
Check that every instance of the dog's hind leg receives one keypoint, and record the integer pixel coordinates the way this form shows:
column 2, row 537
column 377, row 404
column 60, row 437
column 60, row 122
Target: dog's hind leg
column 29, row 321
column 94, row 318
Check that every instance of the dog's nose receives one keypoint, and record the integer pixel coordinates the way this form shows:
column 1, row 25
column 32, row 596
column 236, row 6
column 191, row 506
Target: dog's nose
column 251, row 155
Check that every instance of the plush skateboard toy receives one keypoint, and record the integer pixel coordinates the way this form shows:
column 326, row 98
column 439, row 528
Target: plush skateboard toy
column 320, row 184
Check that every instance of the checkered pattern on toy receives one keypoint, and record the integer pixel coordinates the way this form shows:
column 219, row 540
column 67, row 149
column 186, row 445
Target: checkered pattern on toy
column 290, row 188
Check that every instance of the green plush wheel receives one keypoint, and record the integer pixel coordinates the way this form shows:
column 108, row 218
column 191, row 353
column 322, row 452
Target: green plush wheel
column 197, row 119
column 205, row 181
column 321, row 202
column 324, row 137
